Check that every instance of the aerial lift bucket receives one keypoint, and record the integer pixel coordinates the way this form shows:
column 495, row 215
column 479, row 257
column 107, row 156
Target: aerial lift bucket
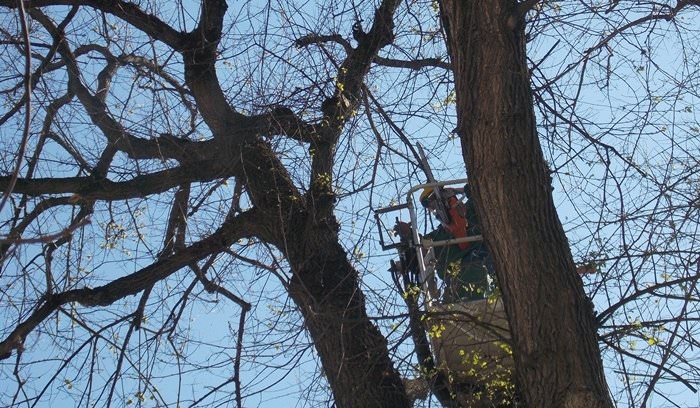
column 469, row 339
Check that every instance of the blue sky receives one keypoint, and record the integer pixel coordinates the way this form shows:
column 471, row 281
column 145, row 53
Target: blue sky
column 638, row 94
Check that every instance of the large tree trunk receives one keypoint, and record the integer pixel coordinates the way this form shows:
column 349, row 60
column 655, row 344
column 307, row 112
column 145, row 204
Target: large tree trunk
column 325, row 287
column 353, row 352
column 556, row 354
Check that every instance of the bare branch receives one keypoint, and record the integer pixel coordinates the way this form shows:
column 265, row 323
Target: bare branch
column 125, row 10
column 90, row 188
column 281, row 120
column 310, row 39
column 607, row 313
column 200, row 72
column 45, row 238
column 95, row 107
column 668, row 14
column 414, row 64
column 27, row 105
column 235, row 228
column 45, row 66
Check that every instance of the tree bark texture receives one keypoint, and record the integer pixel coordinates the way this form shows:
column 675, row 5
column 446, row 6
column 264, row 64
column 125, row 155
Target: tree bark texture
column 324, row 286
column 353, row 351
column 557, row 358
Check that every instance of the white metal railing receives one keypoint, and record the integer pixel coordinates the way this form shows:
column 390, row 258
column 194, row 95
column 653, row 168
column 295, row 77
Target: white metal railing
column 427, row 269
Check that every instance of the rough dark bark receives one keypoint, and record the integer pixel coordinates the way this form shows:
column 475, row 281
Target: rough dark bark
column 352, row 350
column 557, row 358
column 325, row 287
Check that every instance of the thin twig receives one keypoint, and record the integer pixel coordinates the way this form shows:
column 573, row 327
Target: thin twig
column 27, row 93
column 212, row 287
column 45, row 239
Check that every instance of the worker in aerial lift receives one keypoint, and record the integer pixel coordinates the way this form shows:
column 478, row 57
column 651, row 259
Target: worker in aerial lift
column 465, row 268
column 468, row 329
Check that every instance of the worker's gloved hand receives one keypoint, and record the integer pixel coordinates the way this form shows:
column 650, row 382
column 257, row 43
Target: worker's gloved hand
column 403, row 229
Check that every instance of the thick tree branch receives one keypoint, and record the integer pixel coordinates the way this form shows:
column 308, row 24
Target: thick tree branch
column 200, row 72
column 355, row 67
column 310, row 39
column 97, row 110
column 341, row 106
column 280, row 120
column 511, row 188
column 127, row 11
column 414, row 64
column 90, row 188
column 232, row 230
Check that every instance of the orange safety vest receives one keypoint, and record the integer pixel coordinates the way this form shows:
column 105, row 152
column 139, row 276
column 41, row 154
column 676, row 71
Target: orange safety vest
column 458, row 223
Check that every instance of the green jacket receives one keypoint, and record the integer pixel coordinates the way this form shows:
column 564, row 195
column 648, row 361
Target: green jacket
column 463, row 270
